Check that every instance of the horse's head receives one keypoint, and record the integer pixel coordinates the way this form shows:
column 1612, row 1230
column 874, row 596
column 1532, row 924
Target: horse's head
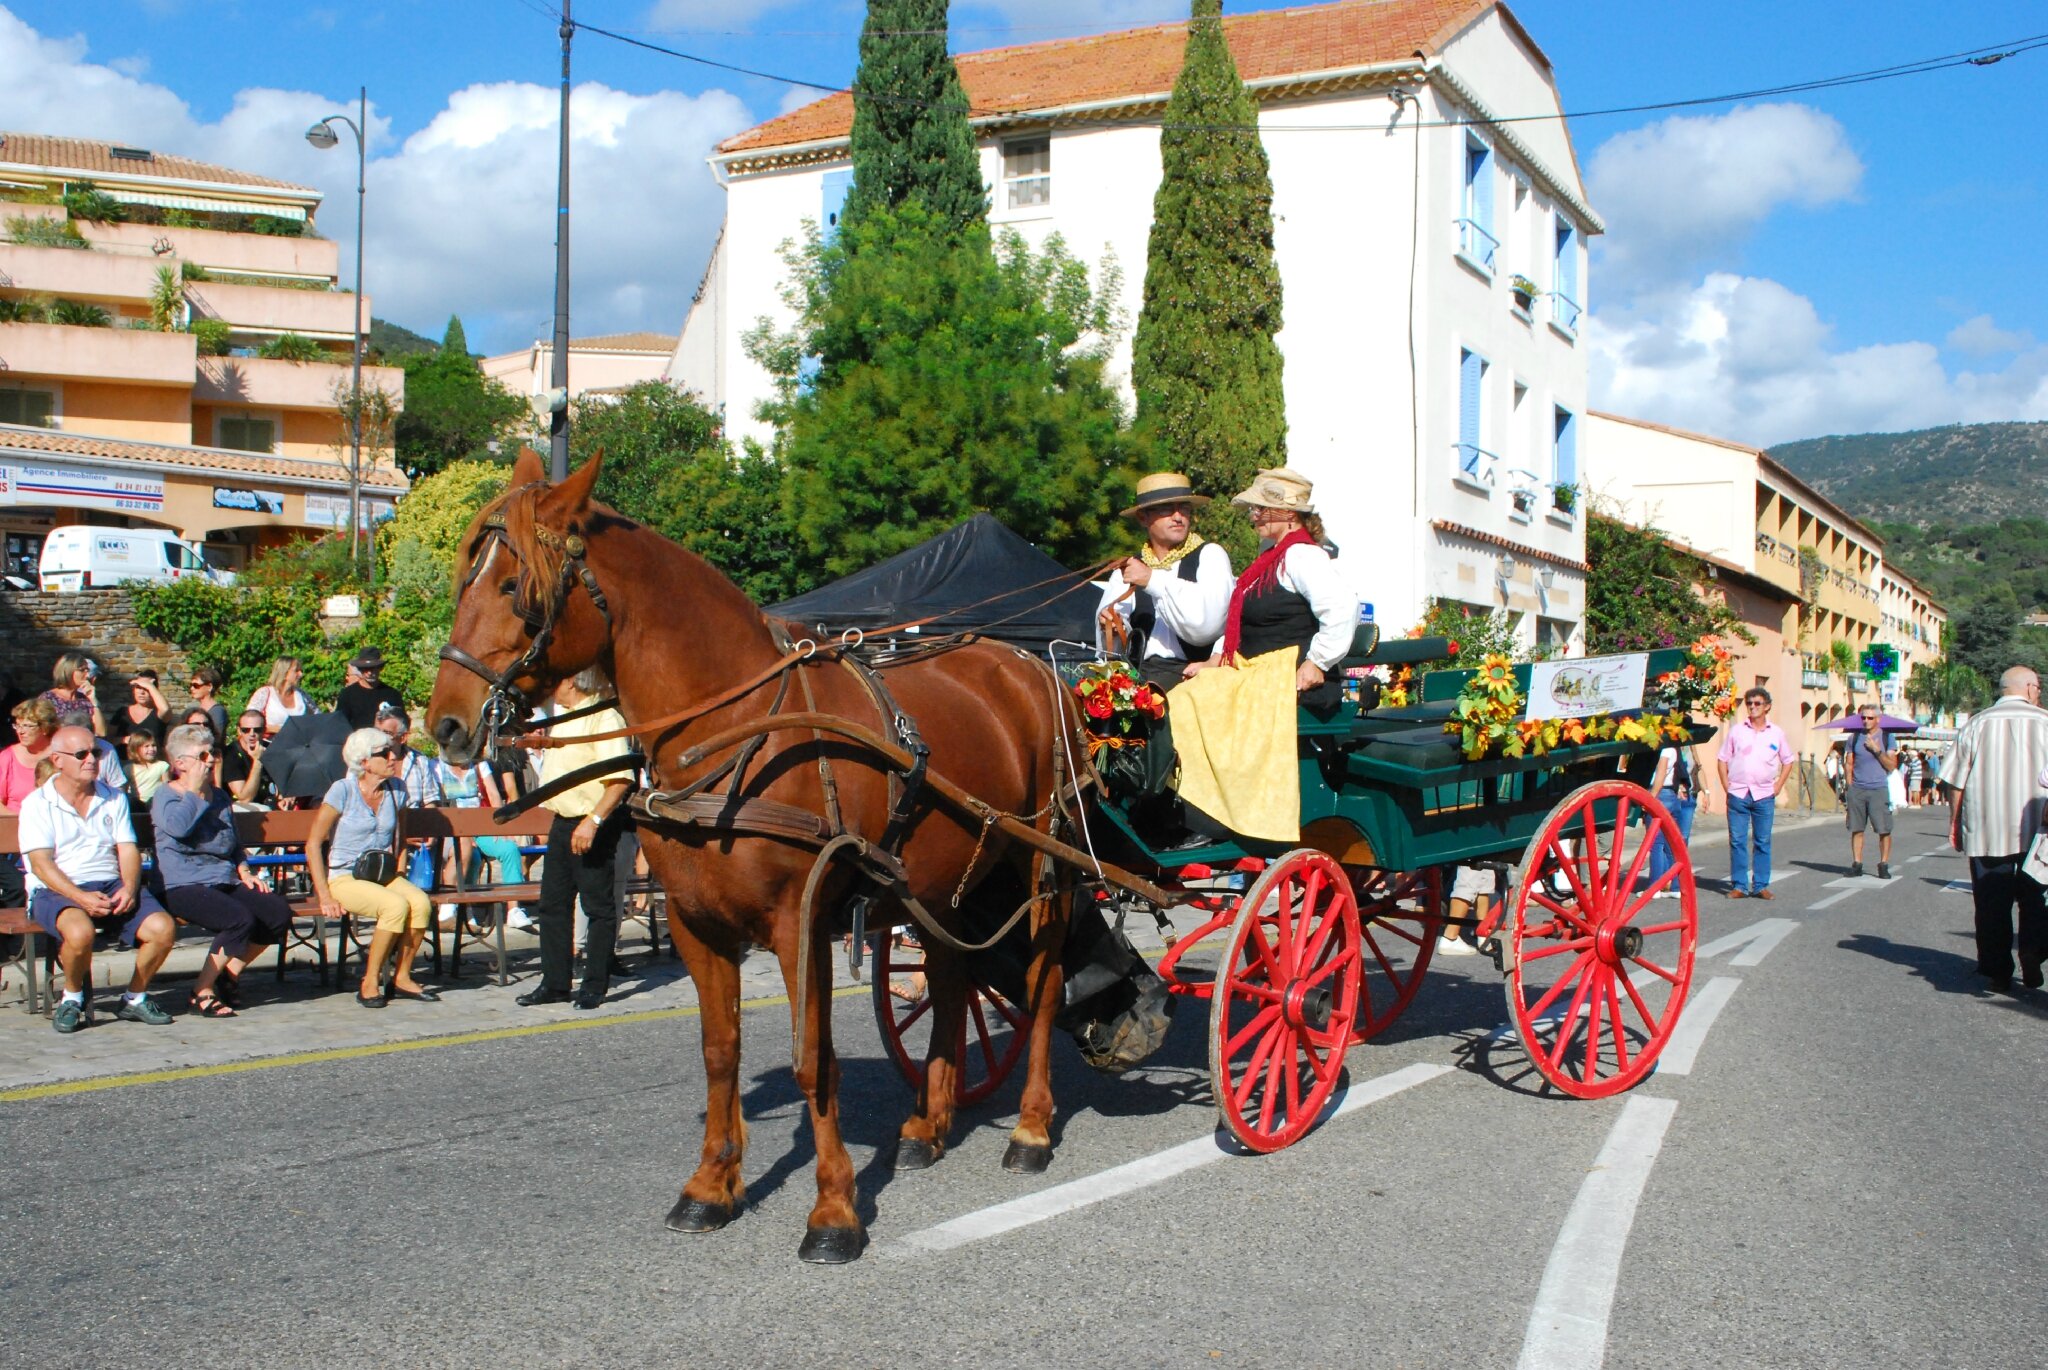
column 528, row 613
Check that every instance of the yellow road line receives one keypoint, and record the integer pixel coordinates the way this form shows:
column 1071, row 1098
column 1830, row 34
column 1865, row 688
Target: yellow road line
column 307, row 1058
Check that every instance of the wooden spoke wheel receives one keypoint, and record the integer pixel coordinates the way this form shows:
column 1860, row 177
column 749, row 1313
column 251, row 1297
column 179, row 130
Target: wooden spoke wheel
column 994, row 1031
column 1285, row 997
column 1598, row 968
column 1400, row 916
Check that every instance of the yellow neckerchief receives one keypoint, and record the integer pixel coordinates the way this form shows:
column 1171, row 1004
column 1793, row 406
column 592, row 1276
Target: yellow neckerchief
column 1159, row 563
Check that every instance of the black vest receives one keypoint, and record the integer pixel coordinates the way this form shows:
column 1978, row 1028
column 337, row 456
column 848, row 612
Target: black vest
column 1144, row 613
column 1274, row 618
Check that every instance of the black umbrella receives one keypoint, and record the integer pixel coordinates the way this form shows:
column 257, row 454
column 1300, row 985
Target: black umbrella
column 305, row 756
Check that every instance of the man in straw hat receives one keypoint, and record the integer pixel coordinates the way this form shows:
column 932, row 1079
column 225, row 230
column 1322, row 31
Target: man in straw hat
column 1169, row 599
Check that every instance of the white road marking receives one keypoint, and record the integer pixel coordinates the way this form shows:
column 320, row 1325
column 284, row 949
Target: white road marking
column 1700, row 1012
column 1568, row 1326
column 1760, row 937
column 1921, row 857
column 1133, row 1175
column 1837, row 897
column 1956, row 887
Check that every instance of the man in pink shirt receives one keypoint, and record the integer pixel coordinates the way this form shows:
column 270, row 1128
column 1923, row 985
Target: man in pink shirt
column 1755, row 763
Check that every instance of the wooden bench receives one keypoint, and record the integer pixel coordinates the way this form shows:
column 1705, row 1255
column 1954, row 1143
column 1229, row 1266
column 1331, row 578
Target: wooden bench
column 27, row 960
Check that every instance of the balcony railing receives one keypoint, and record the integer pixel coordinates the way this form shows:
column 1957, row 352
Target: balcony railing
column 1474, row 463
column 1476, row 245
column 1564, row 311
column 67, row 352
column 265, row 383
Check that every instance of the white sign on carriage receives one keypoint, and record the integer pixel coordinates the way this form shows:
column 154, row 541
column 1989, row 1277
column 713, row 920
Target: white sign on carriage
column 1591, row 685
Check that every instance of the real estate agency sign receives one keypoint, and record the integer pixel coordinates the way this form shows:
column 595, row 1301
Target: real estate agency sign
column 82, row 487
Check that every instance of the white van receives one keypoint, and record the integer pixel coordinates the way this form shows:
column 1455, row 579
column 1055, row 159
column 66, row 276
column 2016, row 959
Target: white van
column 80, row 556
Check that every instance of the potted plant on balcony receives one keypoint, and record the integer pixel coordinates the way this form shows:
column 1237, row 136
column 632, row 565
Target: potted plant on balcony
column 1524, row 499
column 1524, row 291
column 1564, row 497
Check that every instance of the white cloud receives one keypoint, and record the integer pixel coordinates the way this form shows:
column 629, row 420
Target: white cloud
column 1683, row 193
column 676, row 16
column 1982, row 337
column 461, row 213
column 1681, row 337
column 1751, row 360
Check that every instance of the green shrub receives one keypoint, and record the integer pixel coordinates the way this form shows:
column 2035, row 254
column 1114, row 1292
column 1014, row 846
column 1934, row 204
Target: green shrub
column 44, row 232
column 293, row 347
column 80, row 315
column 87, row 201
column 213, row 336
column 193, row 271
column 271, row 227
column 27, row 309
column 437, row 510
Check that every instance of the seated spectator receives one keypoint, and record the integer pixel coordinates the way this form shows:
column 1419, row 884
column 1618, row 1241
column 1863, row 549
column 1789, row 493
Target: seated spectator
column 85, row 881
column 144, row 712
column 477, row 786
column 74, row 695
column 113, row 769
column 145, row 771
column 361, row 698
column 360, row 814
column 35, row 723
column 207, row 880
column 420, row 773
column 281, row 700
column 205, row 687
column 241, row 764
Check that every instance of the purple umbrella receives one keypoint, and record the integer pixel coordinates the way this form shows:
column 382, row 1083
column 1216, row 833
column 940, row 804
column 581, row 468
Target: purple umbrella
column 1854, row 723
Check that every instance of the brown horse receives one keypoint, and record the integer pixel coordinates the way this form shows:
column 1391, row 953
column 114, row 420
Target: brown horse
column 553, row 583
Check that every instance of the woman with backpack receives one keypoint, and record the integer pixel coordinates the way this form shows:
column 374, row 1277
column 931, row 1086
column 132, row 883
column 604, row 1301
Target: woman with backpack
column 1680, row 787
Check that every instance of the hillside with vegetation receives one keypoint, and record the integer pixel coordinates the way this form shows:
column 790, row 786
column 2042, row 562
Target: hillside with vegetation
column 1972, row 473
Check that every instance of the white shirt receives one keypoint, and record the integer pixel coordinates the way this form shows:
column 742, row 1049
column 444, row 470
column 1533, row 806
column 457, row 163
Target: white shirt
column 83, row 845
column 1312, row 573
column 1183, row 611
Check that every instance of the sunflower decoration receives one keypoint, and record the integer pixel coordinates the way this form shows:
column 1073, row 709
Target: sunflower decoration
column 1497, row 676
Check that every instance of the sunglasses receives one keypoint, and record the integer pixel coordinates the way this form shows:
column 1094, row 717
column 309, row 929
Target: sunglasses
column 257, row 729
column 388, row 753
column 79, row 756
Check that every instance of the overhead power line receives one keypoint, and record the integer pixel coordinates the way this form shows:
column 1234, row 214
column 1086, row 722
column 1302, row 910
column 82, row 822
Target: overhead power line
column 1978, row 57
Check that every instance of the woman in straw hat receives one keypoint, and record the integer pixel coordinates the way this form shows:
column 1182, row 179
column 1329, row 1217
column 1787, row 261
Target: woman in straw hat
column 1290, row 621
column 1170, row 599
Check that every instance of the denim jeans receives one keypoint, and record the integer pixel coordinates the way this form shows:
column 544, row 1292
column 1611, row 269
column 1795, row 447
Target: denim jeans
column 1681, row 811
column 1750, row 818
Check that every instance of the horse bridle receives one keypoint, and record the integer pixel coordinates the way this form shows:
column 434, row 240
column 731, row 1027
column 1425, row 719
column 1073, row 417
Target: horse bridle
column 505, row 706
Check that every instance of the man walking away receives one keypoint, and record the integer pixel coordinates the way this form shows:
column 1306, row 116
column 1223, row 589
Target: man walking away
column 1996, row 813
column 1755, row 762
column 1869, row 800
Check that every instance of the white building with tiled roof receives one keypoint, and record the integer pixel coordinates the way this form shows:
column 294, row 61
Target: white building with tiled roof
column 604, row 364
column 1436, row 406
column 200, row 316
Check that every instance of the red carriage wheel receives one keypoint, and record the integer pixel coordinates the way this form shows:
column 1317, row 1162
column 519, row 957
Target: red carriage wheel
column 993, row 1034
column 1286, row 991
column 1598, row 968
column 1400, row 916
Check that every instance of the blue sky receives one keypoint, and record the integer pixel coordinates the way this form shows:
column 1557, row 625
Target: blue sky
column 1865, row 251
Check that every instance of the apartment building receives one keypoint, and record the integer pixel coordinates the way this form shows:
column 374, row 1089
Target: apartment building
column 1732, row 504
column 603, row 365
column 174, row 351
column 1432, row 260
column 1911, row 620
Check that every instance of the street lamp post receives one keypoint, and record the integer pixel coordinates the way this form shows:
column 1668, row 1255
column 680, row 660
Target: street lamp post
column 323, row 136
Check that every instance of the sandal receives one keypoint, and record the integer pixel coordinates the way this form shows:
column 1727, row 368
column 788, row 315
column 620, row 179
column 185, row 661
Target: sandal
column 910, row 990
column 227, row 987
column 207, row 1004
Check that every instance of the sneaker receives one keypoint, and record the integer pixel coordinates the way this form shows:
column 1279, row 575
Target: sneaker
column 143, row 1010
column 446, row 915
column 1884, row 872
column 1665, row 894
column 519, row 920
column 1454, row 946
column 1856, row 871
column 72, row 1014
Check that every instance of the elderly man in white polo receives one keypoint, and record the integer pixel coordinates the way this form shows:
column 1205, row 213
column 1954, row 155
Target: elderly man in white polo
column 85, row 881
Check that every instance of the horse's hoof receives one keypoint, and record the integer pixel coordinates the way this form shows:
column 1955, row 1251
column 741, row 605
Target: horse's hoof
column 914, row 1153
column 832, row 1245
column 1026, row 1158
column 694, row 1215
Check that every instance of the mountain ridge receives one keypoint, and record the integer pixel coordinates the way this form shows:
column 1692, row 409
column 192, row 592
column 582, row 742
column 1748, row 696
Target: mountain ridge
column 1958, row 475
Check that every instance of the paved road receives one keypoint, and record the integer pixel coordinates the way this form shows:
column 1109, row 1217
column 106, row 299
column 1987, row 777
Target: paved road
column 1850, row 1174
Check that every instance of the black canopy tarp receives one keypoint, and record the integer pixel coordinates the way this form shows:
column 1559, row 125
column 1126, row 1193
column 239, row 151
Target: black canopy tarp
column 973, row 574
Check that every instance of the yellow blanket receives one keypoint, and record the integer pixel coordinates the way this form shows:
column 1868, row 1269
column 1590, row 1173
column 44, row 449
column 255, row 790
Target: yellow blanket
column 1234, row 730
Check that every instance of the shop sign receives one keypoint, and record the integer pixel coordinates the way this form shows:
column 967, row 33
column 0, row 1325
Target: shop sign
column 255, row 501
column 82, row 487
column 331, row 511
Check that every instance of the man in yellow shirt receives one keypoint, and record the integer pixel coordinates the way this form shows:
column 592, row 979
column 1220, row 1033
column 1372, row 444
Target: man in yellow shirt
column 582, row 846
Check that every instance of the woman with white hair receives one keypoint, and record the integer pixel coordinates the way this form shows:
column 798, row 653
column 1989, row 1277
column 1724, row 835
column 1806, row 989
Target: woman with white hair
column 207, row 880
column 359, row 872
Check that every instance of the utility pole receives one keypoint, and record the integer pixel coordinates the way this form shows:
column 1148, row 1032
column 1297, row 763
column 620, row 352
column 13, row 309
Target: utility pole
column 558, row 422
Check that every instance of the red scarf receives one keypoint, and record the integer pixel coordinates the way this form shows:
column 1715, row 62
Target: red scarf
column 1262, row 575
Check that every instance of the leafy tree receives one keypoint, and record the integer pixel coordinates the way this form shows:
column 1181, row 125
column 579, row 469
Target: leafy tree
column 1203, row 361
column 1641, row 592
column 950, row 378
column 1982, row 634
column 910, row 133
column 453, row 412
column 1945, row 688
column 437, row 510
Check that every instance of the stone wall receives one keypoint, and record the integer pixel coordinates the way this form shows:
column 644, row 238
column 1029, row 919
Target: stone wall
column 36, row 629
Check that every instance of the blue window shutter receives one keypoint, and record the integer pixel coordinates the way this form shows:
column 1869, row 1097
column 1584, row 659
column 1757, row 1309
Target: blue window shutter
column 1469, row 366
column 837, row 183
column 1567, row 449
column 1568, row 262
column 1482, row 193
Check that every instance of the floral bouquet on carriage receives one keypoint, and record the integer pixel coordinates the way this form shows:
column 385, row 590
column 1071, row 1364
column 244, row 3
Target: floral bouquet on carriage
column 1704, row 685
column 1124, row 716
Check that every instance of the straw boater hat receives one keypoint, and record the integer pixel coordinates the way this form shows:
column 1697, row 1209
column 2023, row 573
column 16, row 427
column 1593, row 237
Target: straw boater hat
column 1167, row 487
column 1279, row 487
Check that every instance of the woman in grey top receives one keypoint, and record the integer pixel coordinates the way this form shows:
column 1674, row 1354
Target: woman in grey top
column 360, row 814
column 207, row 880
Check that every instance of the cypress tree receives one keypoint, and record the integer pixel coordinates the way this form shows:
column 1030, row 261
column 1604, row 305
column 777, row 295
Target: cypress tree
column 454, row 342
column 910, row 133
column 1203, row 360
